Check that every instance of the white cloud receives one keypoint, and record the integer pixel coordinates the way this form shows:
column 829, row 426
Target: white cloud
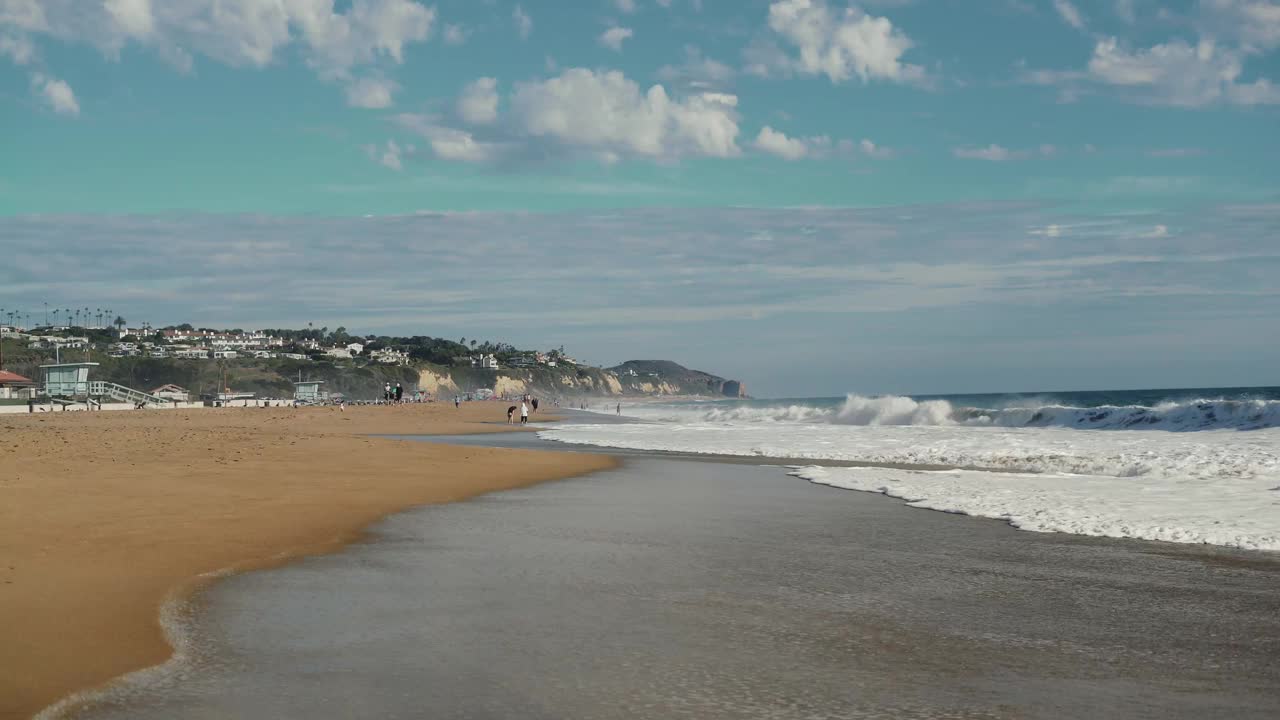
column 388, row 155
column 478, row 103
column 334, row 37
column 1175, row 73
column 455, row 34
column 370, row 92
column 614, row 36
column 1179, row 74
column 605, row 112
column 17, row 48
column 449, row 143
column 524, row 23
column 626, row 6
column 870, row 149
column 57, row 93
column 1048, row 150
column 1070, row 13
column 1255, row 24
column 990, row 153
column 133, row 17
column 838, row 45
column 777, row 143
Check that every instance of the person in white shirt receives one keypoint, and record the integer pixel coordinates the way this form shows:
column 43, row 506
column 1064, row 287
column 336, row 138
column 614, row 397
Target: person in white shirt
column 524, row 413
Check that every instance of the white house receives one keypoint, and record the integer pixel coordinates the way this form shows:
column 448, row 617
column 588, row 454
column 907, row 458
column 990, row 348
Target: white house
column 172, row 392
column 486, row 361
column 355, row 348
column 224, row 354
column 390, row 356
column 342, row 353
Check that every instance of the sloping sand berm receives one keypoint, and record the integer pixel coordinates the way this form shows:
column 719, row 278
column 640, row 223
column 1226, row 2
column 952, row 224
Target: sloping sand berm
column 105, row 515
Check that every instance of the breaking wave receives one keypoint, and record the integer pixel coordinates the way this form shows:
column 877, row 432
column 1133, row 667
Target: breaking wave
column 1178, row 416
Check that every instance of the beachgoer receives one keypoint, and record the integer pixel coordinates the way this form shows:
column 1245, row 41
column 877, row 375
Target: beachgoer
column 535, row 404
column 457, row 401
column 619, row 408
column 524, row 414
column 399, row 392
column 511, row 415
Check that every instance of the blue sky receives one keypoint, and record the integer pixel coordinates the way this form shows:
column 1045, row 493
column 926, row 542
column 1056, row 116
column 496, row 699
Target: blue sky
column 902, row 195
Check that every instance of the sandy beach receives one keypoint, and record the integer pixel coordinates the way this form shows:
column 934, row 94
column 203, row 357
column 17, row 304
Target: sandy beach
column 103, row 516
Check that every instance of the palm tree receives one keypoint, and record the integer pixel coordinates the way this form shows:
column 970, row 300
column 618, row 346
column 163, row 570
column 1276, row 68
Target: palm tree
column 119, row 323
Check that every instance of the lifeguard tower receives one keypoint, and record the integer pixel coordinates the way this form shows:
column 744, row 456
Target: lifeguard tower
column 308, row 391
column 67, row 383
column 66, row 380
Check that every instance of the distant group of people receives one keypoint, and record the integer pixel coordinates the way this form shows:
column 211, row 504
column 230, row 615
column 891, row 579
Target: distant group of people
column 392, row 394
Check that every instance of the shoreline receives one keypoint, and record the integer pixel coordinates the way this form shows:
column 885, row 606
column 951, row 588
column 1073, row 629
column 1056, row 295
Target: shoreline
column 530, row 600
column 107, row 518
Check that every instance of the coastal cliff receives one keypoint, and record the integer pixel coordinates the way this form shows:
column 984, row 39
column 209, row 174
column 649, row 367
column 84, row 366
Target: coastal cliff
column 632, row 378
column 275, row 378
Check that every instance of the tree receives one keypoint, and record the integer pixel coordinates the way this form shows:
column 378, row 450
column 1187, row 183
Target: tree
column 473, row 344
column 119, row 323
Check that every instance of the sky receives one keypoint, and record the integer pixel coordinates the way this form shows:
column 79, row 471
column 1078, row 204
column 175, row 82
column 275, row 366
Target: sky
column 814, row 196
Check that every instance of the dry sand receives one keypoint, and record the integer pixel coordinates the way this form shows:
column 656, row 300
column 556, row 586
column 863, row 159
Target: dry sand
column 105, row 515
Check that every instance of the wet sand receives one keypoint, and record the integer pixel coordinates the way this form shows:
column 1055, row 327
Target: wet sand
column 105, row 515
column 676, row 589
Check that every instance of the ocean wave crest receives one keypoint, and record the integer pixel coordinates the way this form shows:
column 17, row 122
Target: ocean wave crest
column 1190, row 415
column 1176, row 416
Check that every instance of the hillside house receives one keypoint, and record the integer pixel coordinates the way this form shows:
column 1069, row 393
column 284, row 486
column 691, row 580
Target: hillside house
column 14, row 387
column 172, row 392
column 224, row 354
column 390, row 356
column 485, row 361
column 355, row 348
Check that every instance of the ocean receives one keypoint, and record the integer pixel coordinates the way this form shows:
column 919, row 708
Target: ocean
column 1198, row 465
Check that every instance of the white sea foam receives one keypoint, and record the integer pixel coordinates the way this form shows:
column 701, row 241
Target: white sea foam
column 1216, row 486
column 1187, row 415
column 1242, row 514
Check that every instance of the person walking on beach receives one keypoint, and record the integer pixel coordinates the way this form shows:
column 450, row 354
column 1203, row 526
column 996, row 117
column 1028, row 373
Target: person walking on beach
column 399, row 392
column 386, row 391
column 524, row 413
column 511, row 415
column 535, row 404
column 619, row 408
column 457, row 401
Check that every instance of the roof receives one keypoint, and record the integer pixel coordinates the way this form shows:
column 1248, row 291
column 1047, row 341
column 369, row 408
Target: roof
column 8, row 378
column 168, row 388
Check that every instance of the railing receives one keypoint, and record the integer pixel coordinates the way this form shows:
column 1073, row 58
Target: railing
column 101, row 388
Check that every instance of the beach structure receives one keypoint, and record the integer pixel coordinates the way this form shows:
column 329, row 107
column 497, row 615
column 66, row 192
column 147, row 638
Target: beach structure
column 14, row 386
column 66, row 380
column 172, row 392
column 308, row 391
